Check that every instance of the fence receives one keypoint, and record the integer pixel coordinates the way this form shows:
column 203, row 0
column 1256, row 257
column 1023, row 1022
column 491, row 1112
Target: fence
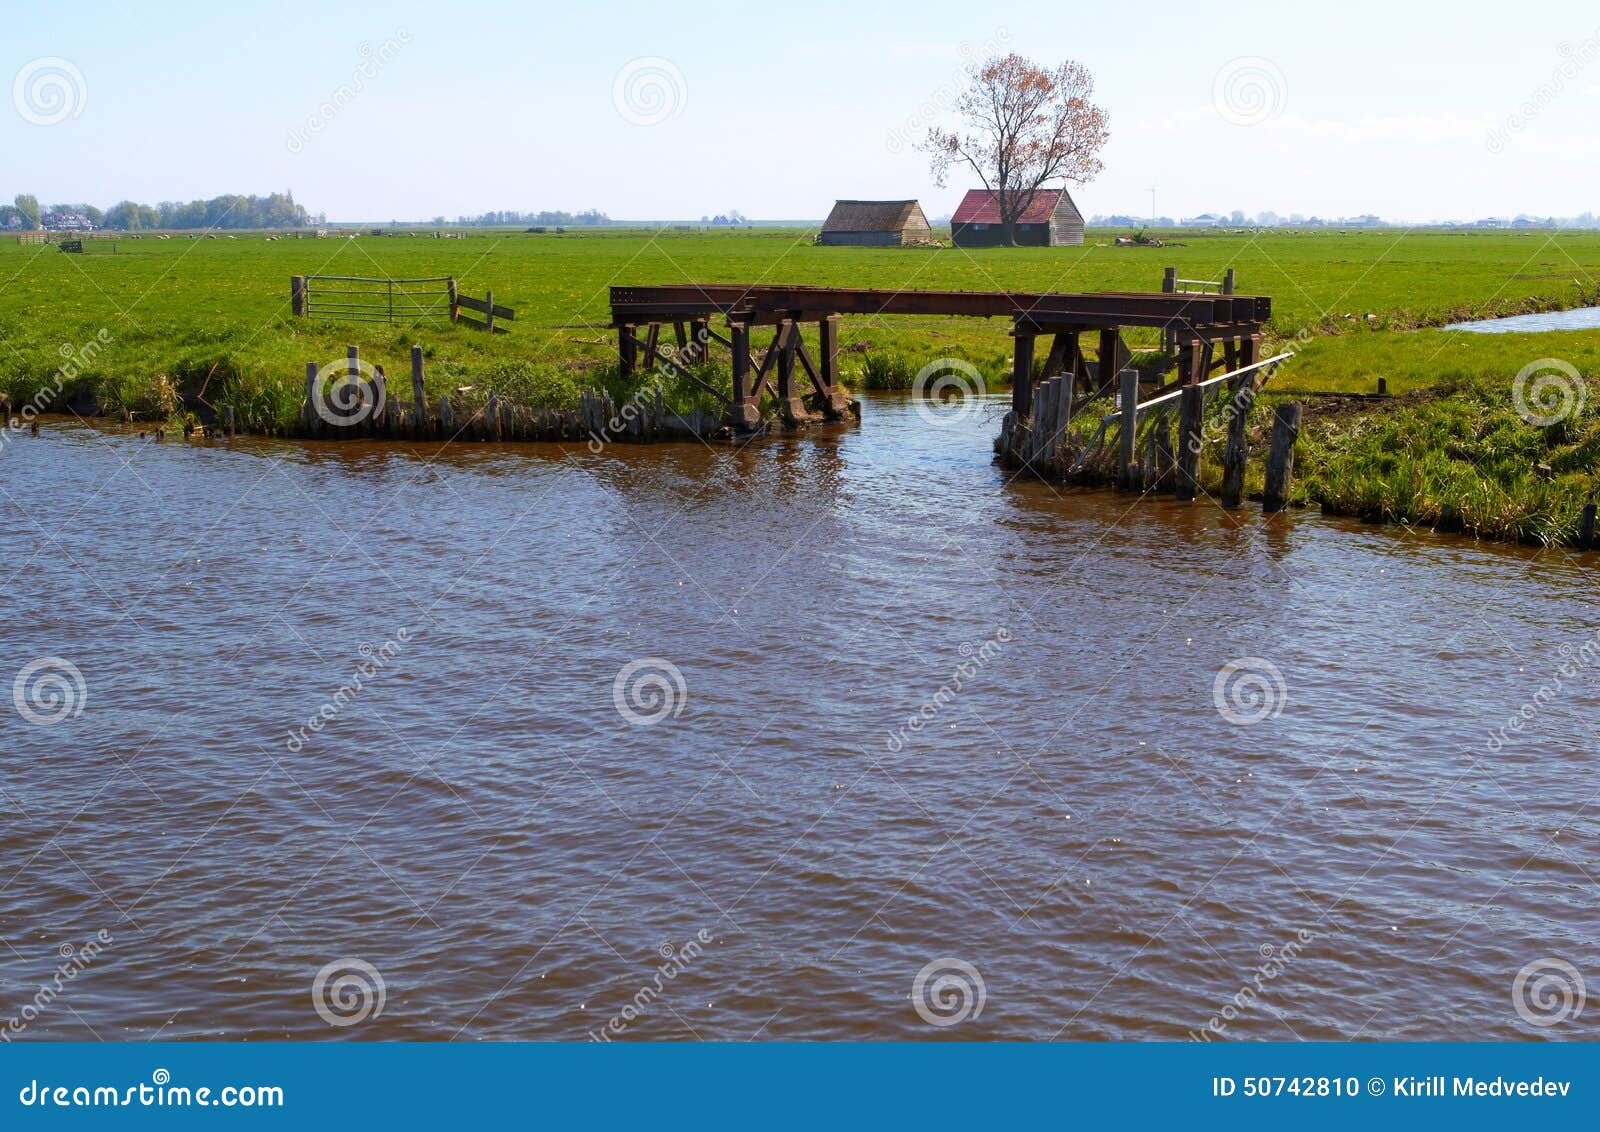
column 354, row 298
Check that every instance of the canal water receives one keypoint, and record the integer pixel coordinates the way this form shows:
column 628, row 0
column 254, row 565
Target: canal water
column 836, row 737
column 1581, row 318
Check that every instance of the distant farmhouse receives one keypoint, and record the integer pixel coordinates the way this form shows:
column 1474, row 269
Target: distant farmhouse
column 876, row 223
column 1051, row 220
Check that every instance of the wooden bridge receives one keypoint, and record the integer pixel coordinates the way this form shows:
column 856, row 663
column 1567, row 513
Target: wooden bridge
column 1207, row 331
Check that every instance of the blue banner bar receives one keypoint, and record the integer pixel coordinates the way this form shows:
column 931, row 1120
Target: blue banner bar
column 834, row 1086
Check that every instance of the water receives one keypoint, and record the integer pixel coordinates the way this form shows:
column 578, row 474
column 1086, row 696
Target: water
column 1582, row 318
column 480, row 823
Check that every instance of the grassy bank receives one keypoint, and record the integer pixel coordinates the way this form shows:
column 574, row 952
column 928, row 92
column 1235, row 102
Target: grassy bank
column 175, row 320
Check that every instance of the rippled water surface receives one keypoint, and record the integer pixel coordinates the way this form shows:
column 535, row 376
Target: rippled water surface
column 1070, row 814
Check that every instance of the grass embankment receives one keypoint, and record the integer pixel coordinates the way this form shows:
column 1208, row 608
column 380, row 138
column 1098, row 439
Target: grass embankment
column 183, row 315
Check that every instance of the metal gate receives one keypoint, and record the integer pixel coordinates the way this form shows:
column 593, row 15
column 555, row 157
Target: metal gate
column 352, row 298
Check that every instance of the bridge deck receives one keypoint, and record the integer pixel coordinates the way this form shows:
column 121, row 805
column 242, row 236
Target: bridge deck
column 767, row 304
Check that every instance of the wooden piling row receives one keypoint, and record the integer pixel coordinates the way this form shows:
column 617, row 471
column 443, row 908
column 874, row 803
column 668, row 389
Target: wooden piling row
column 377, row 414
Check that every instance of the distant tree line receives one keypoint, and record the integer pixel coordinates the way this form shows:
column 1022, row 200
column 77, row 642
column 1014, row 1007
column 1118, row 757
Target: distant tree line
column 588, row 218
column 277, row 210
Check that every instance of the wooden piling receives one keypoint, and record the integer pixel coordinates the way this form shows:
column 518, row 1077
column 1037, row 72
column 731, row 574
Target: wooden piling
column 313, row 420
column 491, row 418
column 1237, row 454
column 1190, row 401
column 1586, row 527
column 1280, row 460
column 419, row 396
column 447, row 418
column 1128, row 400
column 1166, row 461
column 227, row 421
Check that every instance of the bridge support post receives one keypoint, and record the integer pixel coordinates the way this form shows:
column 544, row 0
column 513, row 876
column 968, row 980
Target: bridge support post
column 835, row 403
column 627, row 351
column 1022, row 370
column 745, row 412
column 794, row 410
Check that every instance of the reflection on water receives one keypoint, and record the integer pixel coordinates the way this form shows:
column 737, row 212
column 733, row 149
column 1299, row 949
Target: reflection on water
column 352, row 702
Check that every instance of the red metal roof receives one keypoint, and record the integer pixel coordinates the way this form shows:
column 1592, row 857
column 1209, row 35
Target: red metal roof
column 980, row 206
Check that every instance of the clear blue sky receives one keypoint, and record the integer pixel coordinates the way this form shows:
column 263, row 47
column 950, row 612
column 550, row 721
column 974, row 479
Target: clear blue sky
column 776, row 110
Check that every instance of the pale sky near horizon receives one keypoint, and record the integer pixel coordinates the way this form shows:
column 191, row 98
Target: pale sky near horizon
column 1415, row 112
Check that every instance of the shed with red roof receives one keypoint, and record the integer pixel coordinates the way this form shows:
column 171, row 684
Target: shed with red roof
column 1051, row 220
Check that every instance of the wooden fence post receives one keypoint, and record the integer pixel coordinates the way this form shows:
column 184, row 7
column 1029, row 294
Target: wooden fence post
column 1280, row 460
column 297, row 294
column 1130, row 429
column 488, row 314
column 455, row 299
column 1227, row 282
column 491, row 417
column 1190, row 401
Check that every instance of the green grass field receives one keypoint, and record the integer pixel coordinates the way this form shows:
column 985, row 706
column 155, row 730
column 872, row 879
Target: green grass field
column 184, row 312
column 179, row 307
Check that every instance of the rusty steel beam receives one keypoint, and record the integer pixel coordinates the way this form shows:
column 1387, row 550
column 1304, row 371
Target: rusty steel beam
column 766, row 303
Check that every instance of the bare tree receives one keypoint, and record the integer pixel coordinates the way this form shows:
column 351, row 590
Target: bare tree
column 1023, row 126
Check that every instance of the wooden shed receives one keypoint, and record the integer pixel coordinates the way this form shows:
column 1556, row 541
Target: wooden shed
column 1051, row 220
column 876, row 223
